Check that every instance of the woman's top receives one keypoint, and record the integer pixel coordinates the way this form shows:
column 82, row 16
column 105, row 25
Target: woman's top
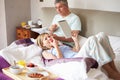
column 66, row 51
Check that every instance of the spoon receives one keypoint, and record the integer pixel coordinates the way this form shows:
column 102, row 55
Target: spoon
column 14, row 63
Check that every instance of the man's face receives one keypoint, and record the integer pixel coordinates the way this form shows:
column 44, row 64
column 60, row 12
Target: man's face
column 62, row 9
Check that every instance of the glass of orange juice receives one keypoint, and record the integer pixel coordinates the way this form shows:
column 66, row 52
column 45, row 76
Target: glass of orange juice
column 21, row 63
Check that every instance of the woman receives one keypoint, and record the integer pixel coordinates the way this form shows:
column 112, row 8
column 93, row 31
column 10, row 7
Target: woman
column 96, row 47
column 51, row 45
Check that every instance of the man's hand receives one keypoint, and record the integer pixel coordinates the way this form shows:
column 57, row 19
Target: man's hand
column 53, row 28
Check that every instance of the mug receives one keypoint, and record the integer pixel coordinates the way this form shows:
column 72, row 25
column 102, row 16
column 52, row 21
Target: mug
column 30, row 22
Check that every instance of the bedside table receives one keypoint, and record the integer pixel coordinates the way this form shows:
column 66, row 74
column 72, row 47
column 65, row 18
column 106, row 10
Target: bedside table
column 22, row 33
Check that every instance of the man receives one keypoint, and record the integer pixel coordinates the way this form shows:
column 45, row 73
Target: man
column 64, row 13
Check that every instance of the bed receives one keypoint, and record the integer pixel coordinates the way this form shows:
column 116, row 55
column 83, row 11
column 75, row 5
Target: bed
column 26, row 49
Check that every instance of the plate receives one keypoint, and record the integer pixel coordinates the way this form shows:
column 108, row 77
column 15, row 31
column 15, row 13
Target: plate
column 44, row 73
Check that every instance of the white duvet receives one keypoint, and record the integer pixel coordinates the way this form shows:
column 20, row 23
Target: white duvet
column 20, row 53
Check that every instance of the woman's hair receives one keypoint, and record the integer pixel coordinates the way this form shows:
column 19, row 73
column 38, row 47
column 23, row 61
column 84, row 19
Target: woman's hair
column 65, row 2
column 40, row 40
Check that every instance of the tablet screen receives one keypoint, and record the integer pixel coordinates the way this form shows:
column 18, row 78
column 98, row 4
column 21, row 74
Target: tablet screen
column 65, row 28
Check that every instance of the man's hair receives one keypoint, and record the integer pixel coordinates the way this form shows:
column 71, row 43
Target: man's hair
column 65, row 2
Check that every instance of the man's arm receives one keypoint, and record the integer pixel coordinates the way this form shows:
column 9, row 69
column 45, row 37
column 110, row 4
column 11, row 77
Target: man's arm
column 53, row 28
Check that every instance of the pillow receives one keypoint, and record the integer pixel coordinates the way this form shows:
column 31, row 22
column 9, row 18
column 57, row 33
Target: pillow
column 40, row 30
column 25, row 42
column 82, row 40
column 22, row 43
column 20, row 53
column 115, row 43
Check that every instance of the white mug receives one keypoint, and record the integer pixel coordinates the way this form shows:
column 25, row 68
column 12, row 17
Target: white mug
column 30, row 22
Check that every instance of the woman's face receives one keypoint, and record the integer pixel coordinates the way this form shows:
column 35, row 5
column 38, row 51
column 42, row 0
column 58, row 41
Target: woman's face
column 47, row 41
column 62, row 9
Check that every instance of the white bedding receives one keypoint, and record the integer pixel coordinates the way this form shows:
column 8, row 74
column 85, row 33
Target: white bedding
column 115, row 43
column 16, row 53
column 68, row 71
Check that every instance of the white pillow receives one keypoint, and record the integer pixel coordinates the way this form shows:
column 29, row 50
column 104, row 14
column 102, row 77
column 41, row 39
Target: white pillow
column 40, row 30
column 82, row 40
column 115, row 43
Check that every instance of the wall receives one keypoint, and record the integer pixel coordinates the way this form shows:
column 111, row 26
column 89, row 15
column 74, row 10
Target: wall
column 3, row 37
column 14, row 12
column 93, row 21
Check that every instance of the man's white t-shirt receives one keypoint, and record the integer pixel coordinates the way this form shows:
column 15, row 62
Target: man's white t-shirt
column 72, row 20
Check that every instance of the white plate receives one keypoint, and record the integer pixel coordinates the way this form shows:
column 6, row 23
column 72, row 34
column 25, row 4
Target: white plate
column 46, row 74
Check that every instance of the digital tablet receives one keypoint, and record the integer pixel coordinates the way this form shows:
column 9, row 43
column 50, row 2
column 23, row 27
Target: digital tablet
column 65, row 28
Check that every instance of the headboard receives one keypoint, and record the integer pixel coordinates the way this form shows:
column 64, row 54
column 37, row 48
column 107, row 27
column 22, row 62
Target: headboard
column 99, row 21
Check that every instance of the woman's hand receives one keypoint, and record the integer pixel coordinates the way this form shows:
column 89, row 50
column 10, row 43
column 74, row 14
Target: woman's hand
column 54, row 42
column 76, row 41
column 75, row 35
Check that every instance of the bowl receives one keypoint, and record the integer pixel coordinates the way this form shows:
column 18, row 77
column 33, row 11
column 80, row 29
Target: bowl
column 32, row 67
column 15, row 69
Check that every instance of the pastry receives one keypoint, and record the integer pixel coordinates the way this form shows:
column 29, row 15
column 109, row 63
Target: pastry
column 35, row 75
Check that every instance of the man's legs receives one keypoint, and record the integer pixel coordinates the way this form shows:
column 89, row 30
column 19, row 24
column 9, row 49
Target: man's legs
column 104, row 41
column 111, row 72
column 109, row 67
column 93, row 48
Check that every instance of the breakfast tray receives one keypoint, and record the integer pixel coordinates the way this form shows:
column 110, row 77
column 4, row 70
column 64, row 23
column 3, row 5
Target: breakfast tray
column 23, row 75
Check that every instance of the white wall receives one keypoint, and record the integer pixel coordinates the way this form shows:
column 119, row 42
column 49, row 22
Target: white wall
column 17, row 11
column 3, row 37
column 13, row 12
column 40, row 13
